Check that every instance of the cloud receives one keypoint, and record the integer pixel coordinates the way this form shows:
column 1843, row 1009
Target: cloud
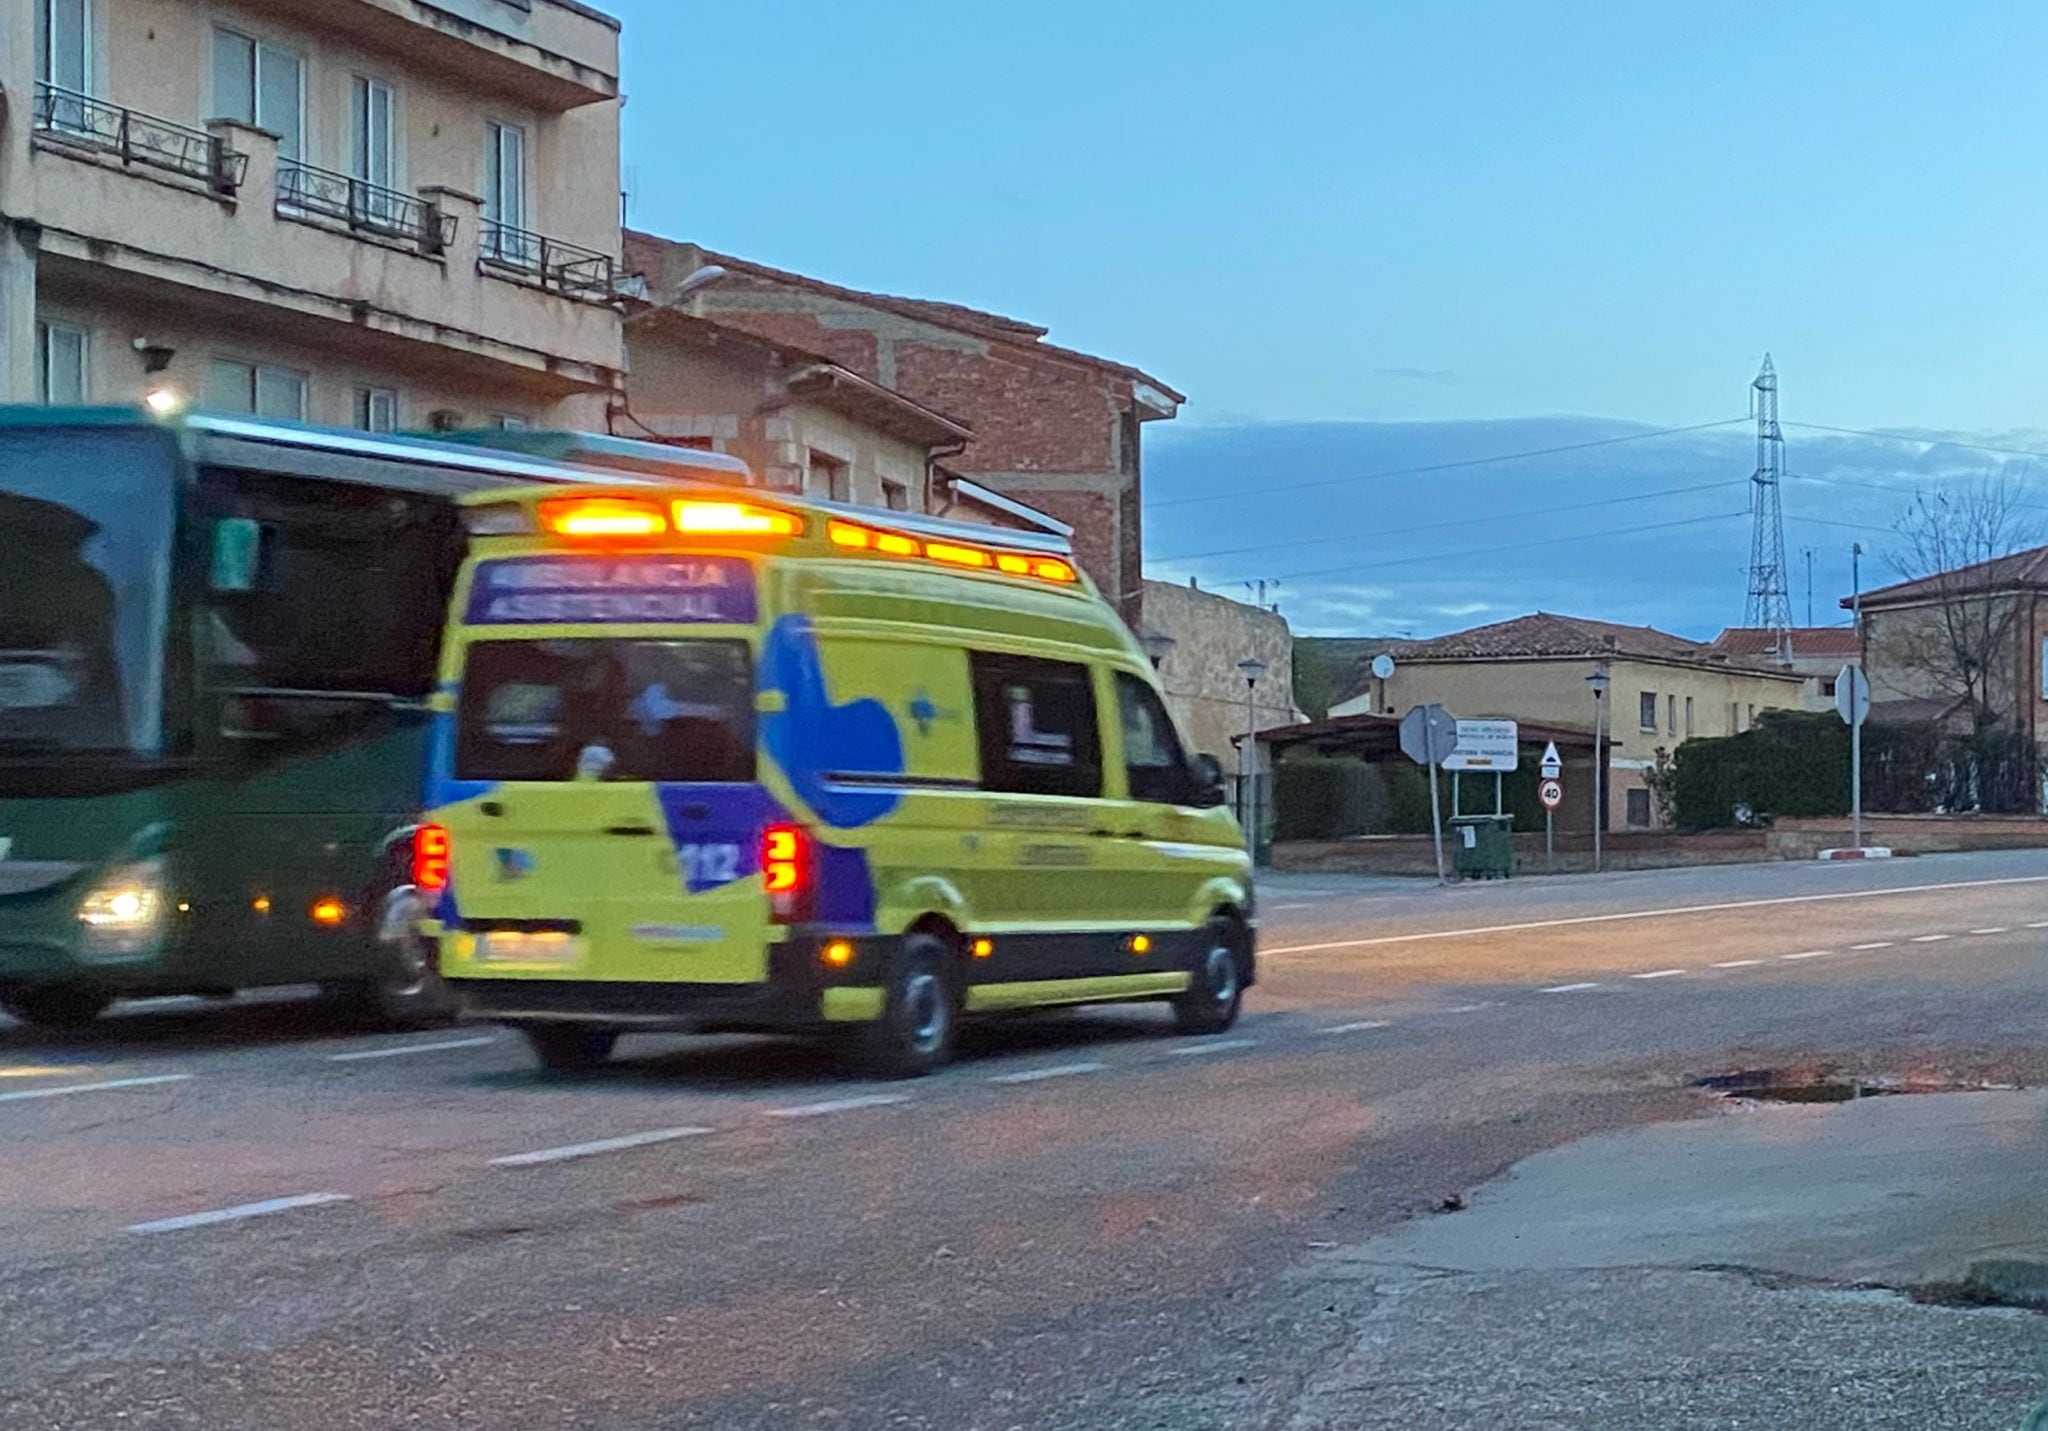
column 1463, row 608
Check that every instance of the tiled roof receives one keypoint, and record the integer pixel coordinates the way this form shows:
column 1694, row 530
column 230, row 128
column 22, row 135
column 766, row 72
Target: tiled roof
column 2027, row 569
column 1545, row 634
column 1806, row 641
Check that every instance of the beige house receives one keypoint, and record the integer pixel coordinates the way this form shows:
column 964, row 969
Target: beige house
column 1197, row 640
column 1662, row 689
column 371, row 212
column 802, row 422
column 1817, row 653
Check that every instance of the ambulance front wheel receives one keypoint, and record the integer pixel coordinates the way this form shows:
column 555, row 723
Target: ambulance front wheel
column 568, row 1048
column 920, row 1012
column 1216, row 988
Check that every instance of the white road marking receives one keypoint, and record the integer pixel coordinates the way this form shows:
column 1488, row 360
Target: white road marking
column 1739, row 964
column 1359, row 1027
column 1991, row 931
column 1633, row 914
column 1215, row 1045
column 1461, row 1009
column 1880, row 944
column 602, row 1145
column 1660, row 974
column 27, row 1093
column 364, row 1055
column 1039, row 1075
column 839, row 1105
column 2039, row 924
column 237, row 1214
column 1808, row 954
column 1569, row 988
column 1931, row 938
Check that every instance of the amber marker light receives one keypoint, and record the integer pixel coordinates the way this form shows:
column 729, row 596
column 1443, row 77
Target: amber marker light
column 602, row 517
column 984, row 948
column 734, row 519
column 329, row 911
column 839, row 953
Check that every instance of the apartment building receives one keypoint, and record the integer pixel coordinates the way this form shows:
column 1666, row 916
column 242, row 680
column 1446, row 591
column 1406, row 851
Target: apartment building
column 384, row 213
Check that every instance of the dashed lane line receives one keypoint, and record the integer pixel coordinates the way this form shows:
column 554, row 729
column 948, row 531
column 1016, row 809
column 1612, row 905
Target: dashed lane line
column 65, row 1090
column 1214, row 1045
column 1738, row 964
column 839, row 1105
column 601, row 1145
column 1569, row 988
column 1932, row 938
column 1360, row 1027
column 1874, row 944
column 238, row 1214
column 1040, row 1075
column 2001, row 930
column 1622, row 916
column 444, row 1046
column 1660, row 974
column 2039, row 924
column 1806, row 954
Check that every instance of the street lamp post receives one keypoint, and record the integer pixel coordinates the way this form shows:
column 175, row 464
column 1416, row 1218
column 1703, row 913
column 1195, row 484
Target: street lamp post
column 1157, row 644
column 1598, row 683
column 1251, row 668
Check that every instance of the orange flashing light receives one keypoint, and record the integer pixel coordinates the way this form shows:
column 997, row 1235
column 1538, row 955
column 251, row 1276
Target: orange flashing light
column 1049, row 569
column 329, row 911
column 855, row 537
column 893, row 545
column 1013, row 565
column 984, row 948
column 957, row 555
column 839, row 953
column 587, row 517
column 846, row 534
column 735, row 519
column 1141, row 944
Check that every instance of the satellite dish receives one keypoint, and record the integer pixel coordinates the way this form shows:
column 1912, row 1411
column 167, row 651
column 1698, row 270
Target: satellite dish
column 1382, row 667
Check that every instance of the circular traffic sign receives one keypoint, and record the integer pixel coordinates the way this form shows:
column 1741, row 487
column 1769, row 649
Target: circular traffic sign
column 1551, row 793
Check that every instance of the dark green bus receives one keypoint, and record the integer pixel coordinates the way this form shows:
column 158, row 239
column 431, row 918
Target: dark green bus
column 217, row 649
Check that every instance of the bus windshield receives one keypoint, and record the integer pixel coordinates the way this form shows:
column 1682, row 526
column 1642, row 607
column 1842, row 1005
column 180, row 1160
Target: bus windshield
column 86, row 519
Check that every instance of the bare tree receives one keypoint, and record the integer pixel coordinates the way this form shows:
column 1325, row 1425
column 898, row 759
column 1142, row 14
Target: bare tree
column 1964, row 543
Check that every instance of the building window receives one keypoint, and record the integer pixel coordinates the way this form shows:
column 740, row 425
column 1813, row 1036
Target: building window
column 64, row 44
column 831, row 478
column 262, row 84
column 1688, row 717
column 266, row 392
column 1734, row 717
column 1035, row 720
column 1639, row 809
column 377, row 409
column 1752, row 714
column 1647, row 711
column 1672, row 725
column 373, row 151
column 505, row 197
column 60, row 364
column 895, row 496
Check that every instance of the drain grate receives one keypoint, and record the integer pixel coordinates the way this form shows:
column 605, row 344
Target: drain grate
column 1824, row 1085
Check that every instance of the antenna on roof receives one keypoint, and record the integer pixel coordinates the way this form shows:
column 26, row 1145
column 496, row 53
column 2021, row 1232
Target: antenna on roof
column 1770, row 601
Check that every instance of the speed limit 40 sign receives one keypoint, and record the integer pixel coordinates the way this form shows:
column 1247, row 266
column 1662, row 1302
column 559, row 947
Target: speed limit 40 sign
column 1551, row 793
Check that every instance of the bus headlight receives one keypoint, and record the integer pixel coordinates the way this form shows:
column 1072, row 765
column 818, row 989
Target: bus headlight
column 124, row 913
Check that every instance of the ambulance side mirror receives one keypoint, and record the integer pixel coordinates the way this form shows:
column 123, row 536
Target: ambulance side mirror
column 1211, row 791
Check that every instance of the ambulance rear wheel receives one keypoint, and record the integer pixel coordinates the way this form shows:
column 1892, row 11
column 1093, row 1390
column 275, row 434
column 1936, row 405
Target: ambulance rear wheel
column 920, row 1013
column 1216, row 991
column 565, row 1048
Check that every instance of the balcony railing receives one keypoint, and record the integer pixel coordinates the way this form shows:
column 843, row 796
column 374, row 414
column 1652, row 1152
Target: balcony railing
column 68, row 117
column 563, row 268
column 305, row 192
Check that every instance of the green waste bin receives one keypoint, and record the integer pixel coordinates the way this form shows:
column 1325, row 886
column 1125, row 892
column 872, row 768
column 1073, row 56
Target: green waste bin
column 1483, row 846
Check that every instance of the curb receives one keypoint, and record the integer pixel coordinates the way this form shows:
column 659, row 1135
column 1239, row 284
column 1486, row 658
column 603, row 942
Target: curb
column 2010, row 1282
column 1868, row 852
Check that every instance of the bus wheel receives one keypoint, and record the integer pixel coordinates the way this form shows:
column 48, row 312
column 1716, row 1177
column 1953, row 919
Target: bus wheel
column 1211, row 1003
column 566, row 1048
column 56, row 1006
column 920, row 1015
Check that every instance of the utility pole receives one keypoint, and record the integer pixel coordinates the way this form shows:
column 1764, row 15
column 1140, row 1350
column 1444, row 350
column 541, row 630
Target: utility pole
column 1809, row 584
column 1259, row 587
column 1770, row 603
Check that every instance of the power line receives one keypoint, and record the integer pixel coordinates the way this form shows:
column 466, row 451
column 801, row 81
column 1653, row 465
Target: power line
column 1920, row 441
column 1453, row 466
column 1383, row 532
column 1511, row 547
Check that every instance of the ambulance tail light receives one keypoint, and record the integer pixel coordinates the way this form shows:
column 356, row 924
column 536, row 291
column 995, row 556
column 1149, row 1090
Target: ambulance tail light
column 430, row 854
column 787, row 872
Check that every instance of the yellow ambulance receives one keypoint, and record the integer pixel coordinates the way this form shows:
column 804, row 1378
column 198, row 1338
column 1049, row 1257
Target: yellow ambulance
column 716, row 760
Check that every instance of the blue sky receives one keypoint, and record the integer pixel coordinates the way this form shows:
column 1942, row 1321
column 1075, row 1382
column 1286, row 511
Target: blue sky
column 1403, row 214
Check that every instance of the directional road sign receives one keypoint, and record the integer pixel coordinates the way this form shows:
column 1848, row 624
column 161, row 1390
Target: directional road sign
column 1428, row 735
column 1489, row 745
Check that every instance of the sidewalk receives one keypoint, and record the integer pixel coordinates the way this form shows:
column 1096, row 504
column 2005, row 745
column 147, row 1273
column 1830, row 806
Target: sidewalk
column 1728, row 1272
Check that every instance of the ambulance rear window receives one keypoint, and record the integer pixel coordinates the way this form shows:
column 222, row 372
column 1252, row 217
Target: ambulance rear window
column 672, row 711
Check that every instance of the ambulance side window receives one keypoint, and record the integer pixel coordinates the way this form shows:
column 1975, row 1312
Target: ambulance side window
column 1036, row 724
column 1155, row 769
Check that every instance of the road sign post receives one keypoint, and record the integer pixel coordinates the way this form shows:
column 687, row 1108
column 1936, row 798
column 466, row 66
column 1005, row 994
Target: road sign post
column 1852, row 704
column 1551, row 792
column 1429, row 734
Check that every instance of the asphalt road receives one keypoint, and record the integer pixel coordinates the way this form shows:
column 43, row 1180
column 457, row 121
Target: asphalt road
column 241, row 1216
